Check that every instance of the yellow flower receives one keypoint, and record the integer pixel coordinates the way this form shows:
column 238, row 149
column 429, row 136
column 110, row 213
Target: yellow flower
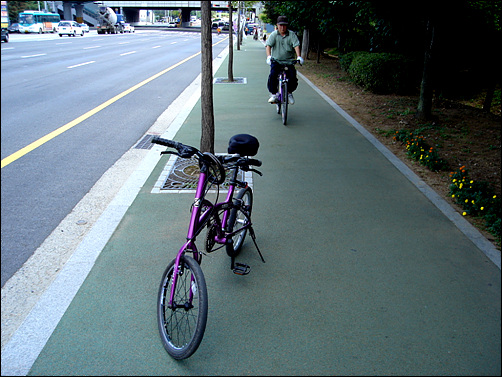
column 453, row 196
column 472, row 182
column 494, row 196
column 467, row 200
column 465, row 213
column 482, row 208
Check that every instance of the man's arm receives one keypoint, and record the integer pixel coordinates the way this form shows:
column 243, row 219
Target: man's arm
column 268, row 50
column 298, row 52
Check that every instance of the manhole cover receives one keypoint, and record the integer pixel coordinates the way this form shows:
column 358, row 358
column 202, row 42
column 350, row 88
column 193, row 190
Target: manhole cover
column 183, row 176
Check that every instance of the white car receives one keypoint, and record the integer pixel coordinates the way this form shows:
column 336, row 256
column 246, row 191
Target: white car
column 128, row 28
column 172, row 24
column 69, row 28
column 84, row 27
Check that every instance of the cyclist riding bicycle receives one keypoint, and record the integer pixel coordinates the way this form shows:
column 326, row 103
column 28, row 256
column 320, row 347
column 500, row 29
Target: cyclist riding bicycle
column 282, row 45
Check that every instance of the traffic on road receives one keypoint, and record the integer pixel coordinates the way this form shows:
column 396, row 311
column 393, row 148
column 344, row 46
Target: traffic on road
column 61, row 100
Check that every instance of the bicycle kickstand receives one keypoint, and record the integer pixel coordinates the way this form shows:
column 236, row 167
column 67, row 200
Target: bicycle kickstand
column 253, row 236
column 244, row 269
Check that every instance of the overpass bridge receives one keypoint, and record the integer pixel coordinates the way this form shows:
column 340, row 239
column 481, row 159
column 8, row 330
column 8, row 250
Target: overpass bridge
column 131, row 9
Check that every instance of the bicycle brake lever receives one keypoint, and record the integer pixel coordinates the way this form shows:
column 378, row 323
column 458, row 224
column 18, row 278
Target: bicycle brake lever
column 257, row 172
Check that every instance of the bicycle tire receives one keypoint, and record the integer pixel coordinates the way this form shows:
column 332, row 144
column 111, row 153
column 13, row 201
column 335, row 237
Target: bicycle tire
column 237, row 219
column 284, row 103
column 278, row 104
column 182, row 329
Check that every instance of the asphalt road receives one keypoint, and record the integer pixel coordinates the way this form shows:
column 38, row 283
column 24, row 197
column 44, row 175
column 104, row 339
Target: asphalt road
column 100, row 94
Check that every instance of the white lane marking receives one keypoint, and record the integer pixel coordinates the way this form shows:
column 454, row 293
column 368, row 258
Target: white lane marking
column 81, row 64
column 32, row 56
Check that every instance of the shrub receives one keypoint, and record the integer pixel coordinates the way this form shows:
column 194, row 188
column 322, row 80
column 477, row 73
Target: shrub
column 346, row 59
column 380, row 72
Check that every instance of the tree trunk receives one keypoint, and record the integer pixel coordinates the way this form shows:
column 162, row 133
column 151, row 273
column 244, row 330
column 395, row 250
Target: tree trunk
column 305, row 44
column 239, row 27
column 487, row 104
column 230, row 44
column 319, row 50
column 424, row 108
column 207, row 137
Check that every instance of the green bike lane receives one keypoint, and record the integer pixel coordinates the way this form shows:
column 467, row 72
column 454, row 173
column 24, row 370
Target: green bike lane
column 364, row 275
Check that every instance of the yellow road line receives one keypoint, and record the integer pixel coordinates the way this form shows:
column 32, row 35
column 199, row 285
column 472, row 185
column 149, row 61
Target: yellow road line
column 20, row 153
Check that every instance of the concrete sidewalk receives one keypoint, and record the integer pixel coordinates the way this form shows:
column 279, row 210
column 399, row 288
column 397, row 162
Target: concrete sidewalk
column 364, row 274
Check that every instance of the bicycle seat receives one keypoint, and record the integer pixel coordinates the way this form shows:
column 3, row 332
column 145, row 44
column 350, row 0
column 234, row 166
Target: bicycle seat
column 244, row 145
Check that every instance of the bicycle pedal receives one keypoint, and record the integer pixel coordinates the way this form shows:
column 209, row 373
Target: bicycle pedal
column 241, row 269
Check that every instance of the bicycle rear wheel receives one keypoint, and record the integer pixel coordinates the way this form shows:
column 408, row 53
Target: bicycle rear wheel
column 238, row 219
column 182, row 327
column 284, row 102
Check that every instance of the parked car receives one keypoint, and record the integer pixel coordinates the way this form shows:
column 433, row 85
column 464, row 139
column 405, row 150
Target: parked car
column 69, row 28
column 14, row 28
column 128, row 28
column 172, row 24
column 84, row 27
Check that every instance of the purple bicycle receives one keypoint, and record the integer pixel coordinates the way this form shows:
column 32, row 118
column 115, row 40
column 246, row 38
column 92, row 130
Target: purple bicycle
column 182, row 304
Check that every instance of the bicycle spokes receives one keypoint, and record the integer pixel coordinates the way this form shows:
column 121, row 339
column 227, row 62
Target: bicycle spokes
column 182, row 323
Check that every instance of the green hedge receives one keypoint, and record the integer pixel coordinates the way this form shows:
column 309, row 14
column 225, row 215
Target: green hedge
column 381, row 72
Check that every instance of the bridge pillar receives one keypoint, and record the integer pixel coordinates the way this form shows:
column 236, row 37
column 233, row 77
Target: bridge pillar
column 185, row 17
column 79, row 9
column 67, row 10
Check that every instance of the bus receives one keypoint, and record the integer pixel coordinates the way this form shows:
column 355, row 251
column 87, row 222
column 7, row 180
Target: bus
column 33, row 21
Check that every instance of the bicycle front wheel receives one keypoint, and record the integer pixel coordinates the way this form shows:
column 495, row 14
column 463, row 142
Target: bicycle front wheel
column 237, row 219
column 284, row 103
column 182, row 325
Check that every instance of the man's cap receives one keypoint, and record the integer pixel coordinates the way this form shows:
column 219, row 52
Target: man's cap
column 282, row 20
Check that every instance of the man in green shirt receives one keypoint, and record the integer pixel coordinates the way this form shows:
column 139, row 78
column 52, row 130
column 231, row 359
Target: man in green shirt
column 284, row 47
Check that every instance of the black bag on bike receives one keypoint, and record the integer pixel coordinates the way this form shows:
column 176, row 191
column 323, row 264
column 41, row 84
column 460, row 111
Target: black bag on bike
column 244, row 145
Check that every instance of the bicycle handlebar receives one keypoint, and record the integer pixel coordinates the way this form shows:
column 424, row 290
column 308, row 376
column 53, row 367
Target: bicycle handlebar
column 253, row 162
column 293, row 62
column 187, row 151
column 184, row 151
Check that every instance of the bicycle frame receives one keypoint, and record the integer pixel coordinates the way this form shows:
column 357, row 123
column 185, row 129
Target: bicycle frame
column 282, row 104
column 199, row 220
